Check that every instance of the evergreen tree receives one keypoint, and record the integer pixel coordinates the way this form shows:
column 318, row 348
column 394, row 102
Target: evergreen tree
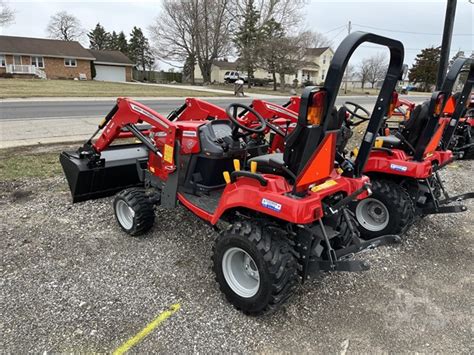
column 113, row 41
column 139, row 50
column 248, row 38
column 425, row 69
column 122, row 44
column 98, row 38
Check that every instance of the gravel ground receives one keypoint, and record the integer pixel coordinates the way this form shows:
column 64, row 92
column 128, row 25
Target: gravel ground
column 72, row 281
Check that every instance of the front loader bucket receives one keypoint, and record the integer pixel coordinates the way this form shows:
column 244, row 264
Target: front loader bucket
column 119, row 172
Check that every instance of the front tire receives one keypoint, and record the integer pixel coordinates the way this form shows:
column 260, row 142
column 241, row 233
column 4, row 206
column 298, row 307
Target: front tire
column 134, row 211
column 255, row 267
column 389, row 210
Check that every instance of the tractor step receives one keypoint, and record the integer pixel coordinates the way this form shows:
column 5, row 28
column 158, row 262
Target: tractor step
column 462, row 197
column 343, row 255
column 448, row 209
column 115, row 171
column 443, row 209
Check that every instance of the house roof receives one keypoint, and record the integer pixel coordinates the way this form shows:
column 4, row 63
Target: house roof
column 110, row 57
column 224, row 64
column 43, row 47
column 309, row 65
column 317, row 51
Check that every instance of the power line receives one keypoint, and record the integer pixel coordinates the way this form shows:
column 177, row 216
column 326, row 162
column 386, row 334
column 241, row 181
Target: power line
column 334, row 29
column 339, row 33
column 410, row 32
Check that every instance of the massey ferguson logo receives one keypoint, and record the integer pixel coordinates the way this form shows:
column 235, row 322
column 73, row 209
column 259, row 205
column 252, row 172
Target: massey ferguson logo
column 148, row 114
column 281, row 110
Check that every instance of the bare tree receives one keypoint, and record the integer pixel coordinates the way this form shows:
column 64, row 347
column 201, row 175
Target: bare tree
column 7, row 15
column 364, row 71
column 285, row 12
column 65, row 27
column 173, row 34
column 318, row 40
column 292, row 52
column 193, row 31
column 377, row 68
column 213, row 31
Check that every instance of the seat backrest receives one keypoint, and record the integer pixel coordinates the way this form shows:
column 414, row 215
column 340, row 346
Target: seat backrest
column 416, row 123
column 304, row 140
column 310, row 149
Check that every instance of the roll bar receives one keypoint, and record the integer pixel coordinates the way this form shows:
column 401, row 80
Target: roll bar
column 447, row 88
column 334, row 79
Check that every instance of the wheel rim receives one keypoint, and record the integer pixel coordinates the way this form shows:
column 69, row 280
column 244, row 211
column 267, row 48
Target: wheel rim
column 372, row 214
column 125, row 214
column 241, row 272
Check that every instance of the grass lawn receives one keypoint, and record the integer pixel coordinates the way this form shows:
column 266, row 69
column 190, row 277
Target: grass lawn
column 22, row 88
column 15, row 165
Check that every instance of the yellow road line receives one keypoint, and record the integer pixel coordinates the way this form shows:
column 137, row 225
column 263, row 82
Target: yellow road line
column 147, row 330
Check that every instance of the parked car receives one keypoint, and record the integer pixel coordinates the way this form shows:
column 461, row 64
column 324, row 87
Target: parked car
column 232, row 76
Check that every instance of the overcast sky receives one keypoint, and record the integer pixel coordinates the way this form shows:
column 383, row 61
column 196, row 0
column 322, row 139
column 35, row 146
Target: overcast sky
column 417, row 23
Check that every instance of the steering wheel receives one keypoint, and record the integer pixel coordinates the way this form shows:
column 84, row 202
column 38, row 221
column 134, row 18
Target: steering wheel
column 354, row 113
column 232, row 113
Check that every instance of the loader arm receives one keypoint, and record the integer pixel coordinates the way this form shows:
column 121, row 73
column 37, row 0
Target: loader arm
column 126, row 114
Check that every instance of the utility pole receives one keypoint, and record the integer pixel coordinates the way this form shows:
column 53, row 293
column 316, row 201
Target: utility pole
column 349, row 27
column 446, row 42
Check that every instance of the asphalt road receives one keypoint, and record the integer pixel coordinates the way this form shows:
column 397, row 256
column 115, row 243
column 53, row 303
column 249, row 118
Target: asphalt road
column 67, row 109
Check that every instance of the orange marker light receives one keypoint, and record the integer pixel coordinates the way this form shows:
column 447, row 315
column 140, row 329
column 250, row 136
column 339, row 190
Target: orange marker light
column 316, row 108
column 393, row 104
column 439, row 105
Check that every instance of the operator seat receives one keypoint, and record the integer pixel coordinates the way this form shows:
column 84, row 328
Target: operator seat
column 299, row 146
column 412, row 129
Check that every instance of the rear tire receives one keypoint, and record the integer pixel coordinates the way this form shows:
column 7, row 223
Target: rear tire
column 389, row 210
column 134, row 211
column 255, row 267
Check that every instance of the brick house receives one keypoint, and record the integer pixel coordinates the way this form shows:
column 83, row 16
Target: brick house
column 23, row 57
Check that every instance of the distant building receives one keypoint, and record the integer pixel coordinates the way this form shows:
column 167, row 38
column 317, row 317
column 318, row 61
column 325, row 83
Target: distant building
column 313, row 68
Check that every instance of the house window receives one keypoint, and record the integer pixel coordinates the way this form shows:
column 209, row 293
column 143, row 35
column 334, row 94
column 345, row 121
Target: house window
column 70, row 62
column 3, row 62
column 37, row 62
column 324, row 60
column 17, row 60
column 322, row 74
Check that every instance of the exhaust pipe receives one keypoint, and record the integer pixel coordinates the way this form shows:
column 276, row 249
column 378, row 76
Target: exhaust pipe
column 91, row 176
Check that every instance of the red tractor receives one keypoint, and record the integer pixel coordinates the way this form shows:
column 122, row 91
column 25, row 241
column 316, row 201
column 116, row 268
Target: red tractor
column 462, row 142
column 403, row 166
column 281, row 226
